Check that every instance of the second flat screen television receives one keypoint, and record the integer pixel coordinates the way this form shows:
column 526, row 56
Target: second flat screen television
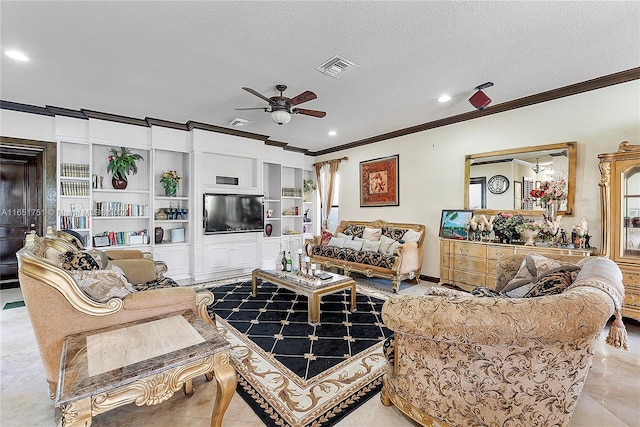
column 233, row 213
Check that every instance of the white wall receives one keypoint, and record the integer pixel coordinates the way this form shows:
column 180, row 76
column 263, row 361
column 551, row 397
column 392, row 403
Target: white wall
column 432, row 162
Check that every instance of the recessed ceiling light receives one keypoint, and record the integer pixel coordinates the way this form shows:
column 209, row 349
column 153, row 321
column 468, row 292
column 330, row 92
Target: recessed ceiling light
column 332, row 133
column 19, row 56
column 444, row 98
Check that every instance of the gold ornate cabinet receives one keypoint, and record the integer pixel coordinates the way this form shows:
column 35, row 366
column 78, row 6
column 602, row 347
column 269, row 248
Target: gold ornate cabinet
column 467, row 264
column 620, row 194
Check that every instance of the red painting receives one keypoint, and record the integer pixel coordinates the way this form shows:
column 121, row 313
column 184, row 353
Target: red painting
column 379, row 182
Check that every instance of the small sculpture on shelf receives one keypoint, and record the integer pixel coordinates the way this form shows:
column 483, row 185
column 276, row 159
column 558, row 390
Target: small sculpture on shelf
column 580, row 235
column 306, row 216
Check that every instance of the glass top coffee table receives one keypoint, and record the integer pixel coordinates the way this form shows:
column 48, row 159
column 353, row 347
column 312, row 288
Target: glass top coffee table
column 313, row 289
column 142, row 362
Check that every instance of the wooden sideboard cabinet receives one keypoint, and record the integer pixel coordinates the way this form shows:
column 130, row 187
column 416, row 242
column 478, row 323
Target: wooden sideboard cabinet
column 467, row 264
column 620, row 194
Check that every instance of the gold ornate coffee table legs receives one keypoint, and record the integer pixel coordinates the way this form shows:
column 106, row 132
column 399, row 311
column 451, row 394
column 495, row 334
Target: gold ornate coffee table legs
column 145, row 392
column 226, row 381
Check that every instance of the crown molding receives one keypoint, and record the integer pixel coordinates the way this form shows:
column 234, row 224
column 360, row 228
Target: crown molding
column 574, row 89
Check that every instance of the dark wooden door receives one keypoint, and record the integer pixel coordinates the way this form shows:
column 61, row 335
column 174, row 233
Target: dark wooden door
column 21, row 206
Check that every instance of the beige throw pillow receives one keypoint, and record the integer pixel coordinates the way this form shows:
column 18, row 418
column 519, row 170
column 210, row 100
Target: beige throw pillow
column 372, row 233
column 371, row 245
column 385, row 244
column 356, row 245
column 412, row 236
column 337, row 242
column 102, row 285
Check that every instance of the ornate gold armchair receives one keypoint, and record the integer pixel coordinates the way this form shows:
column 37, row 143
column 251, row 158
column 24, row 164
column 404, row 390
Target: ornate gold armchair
column 463, row 360
column 58, row 307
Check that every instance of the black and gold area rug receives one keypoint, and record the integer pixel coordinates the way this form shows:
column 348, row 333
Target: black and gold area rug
column 295, row 374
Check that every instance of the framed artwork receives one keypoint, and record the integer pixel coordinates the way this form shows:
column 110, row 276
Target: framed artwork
column 379, row 182
column 99, row 241
column 452, row 223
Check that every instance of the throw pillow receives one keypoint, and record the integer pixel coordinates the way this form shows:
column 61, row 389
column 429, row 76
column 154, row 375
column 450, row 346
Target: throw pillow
column 356, row 245
column 337, row 242
column 395, row 245
column 326, row 236
column 412, row 236
column 102, row 285
column 385, row 244
column 354, row 230
column 533, row 265
column 371, row 245
column 99, row 256
column 393, row 233
column 483, row 291
column 78, row 261
column 553, row 282
column 372, row 233
column 344, row 236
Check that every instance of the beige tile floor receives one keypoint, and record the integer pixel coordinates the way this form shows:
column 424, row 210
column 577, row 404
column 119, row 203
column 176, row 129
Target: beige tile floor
column 611, row 396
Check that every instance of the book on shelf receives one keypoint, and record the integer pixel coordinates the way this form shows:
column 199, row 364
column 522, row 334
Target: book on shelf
column 74, row 188
column 73, row 221
column 74, row 170
column 118, row 209
column 119, row 238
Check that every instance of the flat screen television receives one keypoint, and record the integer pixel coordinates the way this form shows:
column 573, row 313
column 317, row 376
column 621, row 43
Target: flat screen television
column 233, row 213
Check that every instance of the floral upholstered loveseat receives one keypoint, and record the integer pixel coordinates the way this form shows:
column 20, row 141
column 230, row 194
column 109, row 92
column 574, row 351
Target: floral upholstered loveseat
column 376, row 249
column 463, row 360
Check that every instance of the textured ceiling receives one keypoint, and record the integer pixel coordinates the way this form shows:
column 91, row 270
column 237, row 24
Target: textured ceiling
column 182, row 61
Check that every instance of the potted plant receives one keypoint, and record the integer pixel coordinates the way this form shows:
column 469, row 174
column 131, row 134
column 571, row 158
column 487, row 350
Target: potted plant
column 307, row 187
column 121, row 164
column 170, row 181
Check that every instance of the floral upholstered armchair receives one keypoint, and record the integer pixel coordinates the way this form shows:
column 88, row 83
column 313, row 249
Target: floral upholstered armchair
column 463, row 360
column 63, row 301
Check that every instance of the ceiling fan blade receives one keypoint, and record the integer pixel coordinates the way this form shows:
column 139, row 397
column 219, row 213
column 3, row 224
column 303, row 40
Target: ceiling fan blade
column 258, row 94
column 314, row 113
column 253, row 108
column 303, row 97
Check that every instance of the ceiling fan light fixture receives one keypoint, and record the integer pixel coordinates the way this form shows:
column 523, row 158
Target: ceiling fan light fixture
column 281, row 117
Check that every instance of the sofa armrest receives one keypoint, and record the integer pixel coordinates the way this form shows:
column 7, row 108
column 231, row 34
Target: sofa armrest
column 159, row 297
column 410, row 257
column 576, row 313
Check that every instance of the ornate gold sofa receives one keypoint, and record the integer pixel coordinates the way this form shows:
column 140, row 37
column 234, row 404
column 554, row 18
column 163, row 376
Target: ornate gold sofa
column 464, row 360
column 58, row 307
column 403, row 264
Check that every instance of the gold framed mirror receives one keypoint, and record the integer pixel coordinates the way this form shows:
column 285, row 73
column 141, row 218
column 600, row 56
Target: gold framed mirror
column 500, row 181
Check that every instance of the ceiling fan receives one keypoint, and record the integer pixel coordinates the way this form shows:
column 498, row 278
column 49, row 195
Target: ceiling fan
column 280, row 107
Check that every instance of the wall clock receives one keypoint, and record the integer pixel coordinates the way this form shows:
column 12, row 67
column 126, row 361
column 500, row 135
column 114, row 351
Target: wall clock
column 498, row 184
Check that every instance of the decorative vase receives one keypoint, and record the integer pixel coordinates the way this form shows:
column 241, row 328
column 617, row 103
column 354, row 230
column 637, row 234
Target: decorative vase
column 528, row 236
column 550, row 211
column 268, row 229
column 170, row 191
column 119, row 184
column 159, row 235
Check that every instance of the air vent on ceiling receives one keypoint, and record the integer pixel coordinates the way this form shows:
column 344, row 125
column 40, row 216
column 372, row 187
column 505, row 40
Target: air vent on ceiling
column 240, row 122
column 336, row 67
